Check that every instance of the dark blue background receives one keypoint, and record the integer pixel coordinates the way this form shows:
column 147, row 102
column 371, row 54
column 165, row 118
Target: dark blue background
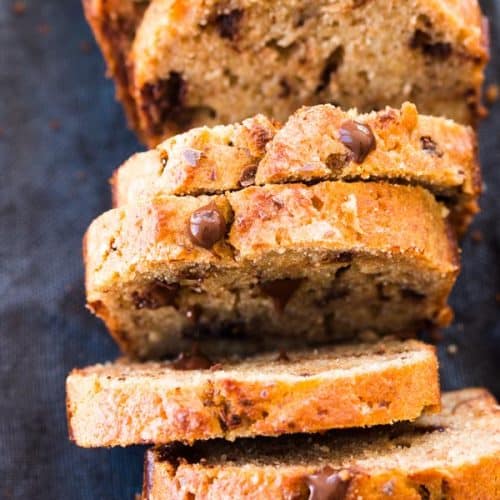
column 61, row 135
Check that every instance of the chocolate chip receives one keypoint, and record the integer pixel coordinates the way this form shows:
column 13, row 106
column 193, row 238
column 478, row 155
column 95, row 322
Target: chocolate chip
column 192, row 156
column 336, row 162
column 193, row 313
column 164, row 99
column 194, row 360
column 282, row 356
column 228, row 23
column 207, row 226
column 328, row 484
column 357, row 137
column 423, row 41
column 247, row 177
column 332, row 64
column 410, row 294
column 281, row 291
column 429, row 146
column 158, row 295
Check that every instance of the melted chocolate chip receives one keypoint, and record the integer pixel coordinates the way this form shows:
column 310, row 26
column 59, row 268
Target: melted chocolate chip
column 327, row 484
column 193, row 313
column 423, row 41
column 158, row 295
column 207, row 226
column 248, row 176
column 332, row 64
column 228, row 23
column 429, row 146
column 194, row 360
column 281, row 291
column 192, row 156
column 357, row 137
column 164, row 99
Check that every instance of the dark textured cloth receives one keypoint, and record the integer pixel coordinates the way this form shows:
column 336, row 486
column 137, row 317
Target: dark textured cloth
column 61, row 134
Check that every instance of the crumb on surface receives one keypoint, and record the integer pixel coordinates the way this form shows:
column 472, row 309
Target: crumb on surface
column 85, row 46
column 477, row 236
column 452, row 349
column 55, row 124
column 18, row 8
column 43, row 28
column 492, row 92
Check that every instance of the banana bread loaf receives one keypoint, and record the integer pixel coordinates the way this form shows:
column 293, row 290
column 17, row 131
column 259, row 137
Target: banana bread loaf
column 199, row 62
column 195, row 397
column 454, row 456
column 290, row 261
column 316, row 143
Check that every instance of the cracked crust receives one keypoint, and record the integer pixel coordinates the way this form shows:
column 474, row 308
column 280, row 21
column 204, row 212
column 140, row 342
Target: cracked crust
column 413, row 149
column 192, row 63
column 295, row 262
column 455, row 454
column 124, row 403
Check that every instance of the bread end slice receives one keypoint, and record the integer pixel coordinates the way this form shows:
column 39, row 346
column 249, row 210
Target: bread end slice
column 455, row 455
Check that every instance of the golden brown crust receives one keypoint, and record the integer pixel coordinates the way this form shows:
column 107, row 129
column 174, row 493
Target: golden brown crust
column 197, row 63
column 453, row 455
column 410, row 148
column 384, row 250
column 348, row 386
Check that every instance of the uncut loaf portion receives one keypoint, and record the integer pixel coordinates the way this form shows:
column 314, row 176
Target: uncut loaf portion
column 316, row 143
column 180, row 64
column 269, row 266
column 193, row 397
column 454, row 455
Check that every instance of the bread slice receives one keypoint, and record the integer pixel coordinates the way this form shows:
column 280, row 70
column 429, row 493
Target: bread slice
column 114, row 23
column 282, row 262
column 408, row 148
column 453, row 455
column 197, row 62
column 124, row 403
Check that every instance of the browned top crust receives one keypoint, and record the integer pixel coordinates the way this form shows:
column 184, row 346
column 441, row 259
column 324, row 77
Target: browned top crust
column 409, row 149
column 455, row 455
column 181, row 64
column 391, row 241
column 298, row 391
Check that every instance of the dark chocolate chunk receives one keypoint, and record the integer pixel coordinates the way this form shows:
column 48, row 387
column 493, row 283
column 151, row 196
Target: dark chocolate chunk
column 332, row 64
column 158, row 295
column 192, row 156
column 207, row 226
column 194, row 360
column 228, row 23
column 328, row 484
column 164, row 100
column 357, row 137
column 410, row 294
column 429, row 146
column 423, row 41
column 248, row 176
column 281, row 291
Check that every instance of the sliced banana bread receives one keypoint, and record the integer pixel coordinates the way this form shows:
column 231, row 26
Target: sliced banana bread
column 296, row 262
column 301, row 391
column 204, row 62
column 316, row 143
column 454, row 455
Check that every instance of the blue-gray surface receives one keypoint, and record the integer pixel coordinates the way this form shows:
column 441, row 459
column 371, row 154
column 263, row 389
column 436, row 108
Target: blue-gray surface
column 61, row 134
